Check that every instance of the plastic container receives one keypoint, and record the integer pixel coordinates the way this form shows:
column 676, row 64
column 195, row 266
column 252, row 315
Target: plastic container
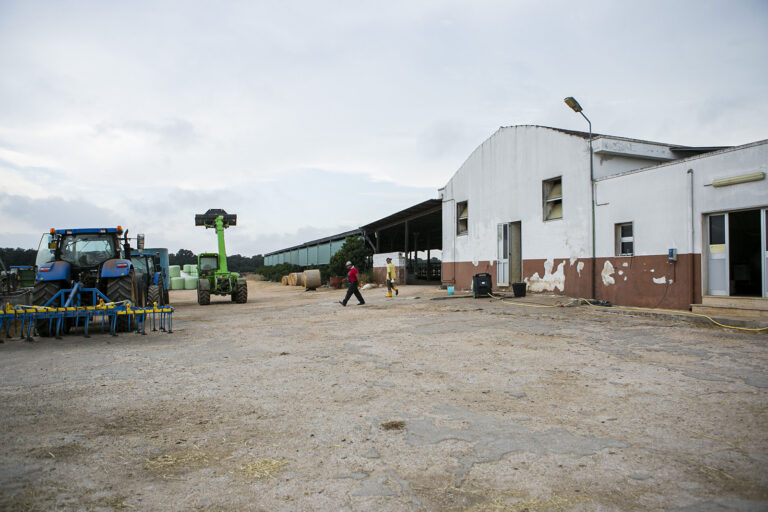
column 450, row 290
column 518, row 289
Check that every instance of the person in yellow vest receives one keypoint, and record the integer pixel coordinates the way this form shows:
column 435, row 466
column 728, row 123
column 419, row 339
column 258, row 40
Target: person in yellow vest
column 391, row 278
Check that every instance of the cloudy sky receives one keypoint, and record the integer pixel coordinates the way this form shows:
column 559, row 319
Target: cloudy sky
column 310, row 118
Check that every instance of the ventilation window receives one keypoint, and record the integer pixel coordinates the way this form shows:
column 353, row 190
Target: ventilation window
column 553, row 198
column 625, row 240
column 462, row 218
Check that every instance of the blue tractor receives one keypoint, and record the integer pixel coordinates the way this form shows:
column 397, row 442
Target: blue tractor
column 151, row 265
column 92, row 257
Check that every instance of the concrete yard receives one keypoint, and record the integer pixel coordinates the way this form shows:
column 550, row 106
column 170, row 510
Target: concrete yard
column 292, row 402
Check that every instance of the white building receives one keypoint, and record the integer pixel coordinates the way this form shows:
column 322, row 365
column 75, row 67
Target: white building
column 520, row 208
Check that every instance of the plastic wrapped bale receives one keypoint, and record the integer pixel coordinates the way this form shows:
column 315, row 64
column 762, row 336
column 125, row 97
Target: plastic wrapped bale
column 188, row 268
column 312, row 279
column 174, row 271
column 190, row 283
column 177, row 283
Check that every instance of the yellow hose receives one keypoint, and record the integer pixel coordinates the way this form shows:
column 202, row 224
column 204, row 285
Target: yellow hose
column 677, row 312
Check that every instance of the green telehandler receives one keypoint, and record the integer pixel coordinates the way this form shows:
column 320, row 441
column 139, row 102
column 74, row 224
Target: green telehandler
column 212, row 267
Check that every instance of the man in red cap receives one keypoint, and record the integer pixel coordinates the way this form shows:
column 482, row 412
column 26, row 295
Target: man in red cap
column 354, row 282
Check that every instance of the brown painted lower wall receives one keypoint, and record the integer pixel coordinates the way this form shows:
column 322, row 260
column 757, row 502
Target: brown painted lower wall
column 633, row 287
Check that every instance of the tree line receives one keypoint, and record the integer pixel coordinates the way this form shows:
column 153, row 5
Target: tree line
column 235, row 262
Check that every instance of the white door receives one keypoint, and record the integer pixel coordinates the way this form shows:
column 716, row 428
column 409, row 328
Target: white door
column 765, row 253
column 717, row 255
column 502, row 260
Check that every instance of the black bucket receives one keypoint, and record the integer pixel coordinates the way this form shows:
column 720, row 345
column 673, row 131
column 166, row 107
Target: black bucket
column 518, row 289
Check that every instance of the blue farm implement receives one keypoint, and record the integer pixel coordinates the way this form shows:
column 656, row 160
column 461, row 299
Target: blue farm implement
column 58, row 320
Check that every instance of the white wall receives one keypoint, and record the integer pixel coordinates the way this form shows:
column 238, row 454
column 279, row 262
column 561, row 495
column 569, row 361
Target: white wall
column 502, row 180
column 657, row 200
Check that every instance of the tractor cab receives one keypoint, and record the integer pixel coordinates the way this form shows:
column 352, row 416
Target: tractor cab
column 207, row 263
column 79, row 254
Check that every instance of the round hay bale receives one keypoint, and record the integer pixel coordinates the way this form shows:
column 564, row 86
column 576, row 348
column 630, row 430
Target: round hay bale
column 177, row 283
column 284, row 280
column 293, row 278
column 174, row 271
column 190, row 283
column 312, row 278
column 299, row 278
column 188, row 268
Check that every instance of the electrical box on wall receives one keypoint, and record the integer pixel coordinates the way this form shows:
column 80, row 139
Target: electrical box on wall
column 672, row 255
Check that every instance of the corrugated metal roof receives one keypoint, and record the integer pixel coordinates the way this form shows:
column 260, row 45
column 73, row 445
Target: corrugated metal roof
column 339, row 236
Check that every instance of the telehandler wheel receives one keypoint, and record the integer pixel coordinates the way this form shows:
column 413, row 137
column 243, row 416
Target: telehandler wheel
column 240, row 295
column 42, row 293
column 120, row 289
column 154, row 295
column 203, row 292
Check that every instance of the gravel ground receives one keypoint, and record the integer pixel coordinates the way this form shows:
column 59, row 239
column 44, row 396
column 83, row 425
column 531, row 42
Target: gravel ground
column 293, row 402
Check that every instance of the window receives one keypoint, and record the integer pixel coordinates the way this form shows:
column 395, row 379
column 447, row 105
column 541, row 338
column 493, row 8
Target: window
column 462, row 218
column 553, row 198
column 625, row 240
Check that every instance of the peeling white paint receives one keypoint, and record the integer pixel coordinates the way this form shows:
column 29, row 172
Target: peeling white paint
column 621, row 272
column 660, row 280
column 550, row 281
column 625, row 264
column 573, row 259
column 606, row 274
column 653, row 270
column 580, row 267
column 625, row 278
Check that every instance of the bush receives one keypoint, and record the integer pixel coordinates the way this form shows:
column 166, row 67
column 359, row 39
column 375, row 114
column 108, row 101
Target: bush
column 355, row 250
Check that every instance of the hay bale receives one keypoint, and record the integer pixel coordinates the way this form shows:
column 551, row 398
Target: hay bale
column 174, row 271
column 299, row 278
column 284, row 280
column 293, row 279
column 312, row 278
column 190, row 283
column 177, row 283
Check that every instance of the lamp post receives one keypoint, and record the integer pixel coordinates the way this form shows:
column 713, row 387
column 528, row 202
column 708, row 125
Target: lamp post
column 571, row 102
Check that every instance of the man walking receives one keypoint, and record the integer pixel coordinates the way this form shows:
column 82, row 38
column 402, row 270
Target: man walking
column 391, row 278
column 354, row 282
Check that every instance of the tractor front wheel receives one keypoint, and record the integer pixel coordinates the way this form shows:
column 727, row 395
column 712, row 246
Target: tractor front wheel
column 240, row 295
column 120, row 289
column 42, row 293
column 154, row 295
column 203, row 292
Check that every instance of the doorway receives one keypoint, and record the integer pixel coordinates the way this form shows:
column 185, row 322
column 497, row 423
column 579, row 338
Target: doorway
column 509, row 255
column 737, row 254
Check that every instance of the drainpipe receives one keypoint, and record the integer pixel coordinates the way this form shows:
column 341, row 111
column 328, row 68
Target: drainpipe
column 691, row 239
column 592, row 187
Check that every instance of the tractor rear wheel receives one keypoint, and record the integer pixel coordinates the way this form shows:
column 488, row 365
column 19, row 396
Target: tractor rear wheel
column 118, row 290
column 240, row 295
column 154, row 295
column 203, row 292
column 42, row 293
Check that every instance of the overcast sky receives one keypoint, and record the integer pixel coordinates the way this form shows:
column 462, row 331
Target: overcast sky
column 310, row 118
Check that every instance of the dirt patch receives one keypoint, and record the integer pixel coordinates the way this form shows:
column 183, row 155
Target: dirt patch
column 292, row 402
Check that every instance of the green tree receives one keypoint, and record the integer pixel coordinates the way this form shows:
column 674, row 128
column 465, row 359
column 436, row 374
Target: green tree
column 182, row 257
column 355, row 250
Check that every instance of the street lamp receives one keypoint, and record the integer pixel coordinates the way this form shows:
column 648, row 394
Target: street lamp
column 571, row 102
